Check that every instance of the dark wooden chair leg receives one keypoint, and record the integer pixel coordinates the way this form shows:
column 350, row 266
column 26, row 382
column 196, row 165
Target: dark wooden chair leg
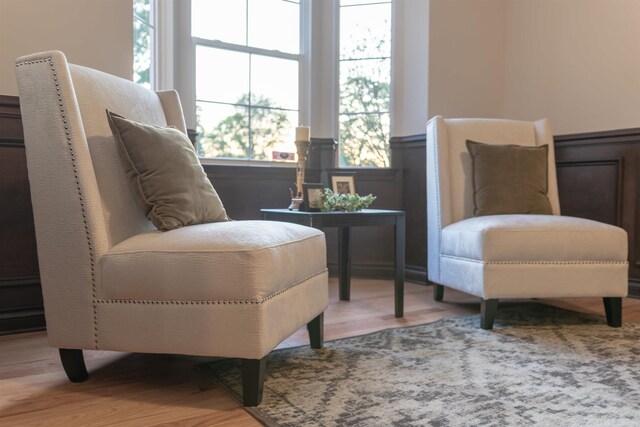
column 488, row 310
column 73, row 364
column 344, row 264
column 316, row 331
column 253, row 371
column 613, row 309
column 438, row 292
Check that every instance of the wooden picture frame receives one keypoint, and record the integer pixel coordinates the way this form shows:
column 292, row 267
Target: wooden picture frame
column 343, row 182
column 311, row 195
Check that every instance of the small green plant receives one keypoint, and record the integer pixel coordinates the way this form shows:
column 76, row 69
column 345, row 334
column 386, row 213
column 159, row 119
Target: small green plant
column 344, row 202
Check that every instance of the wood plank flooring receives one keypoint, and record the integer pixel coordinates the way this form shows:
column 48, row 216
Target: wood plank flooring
column 153, row 390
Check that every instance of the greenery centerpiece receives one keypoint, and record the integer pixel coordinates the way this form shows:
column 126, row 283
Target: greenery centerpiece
column 331, row 201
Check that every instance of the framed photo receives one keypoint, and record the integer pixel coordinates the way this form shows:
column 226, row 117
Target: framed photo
column 312, row 196
column 343, row 183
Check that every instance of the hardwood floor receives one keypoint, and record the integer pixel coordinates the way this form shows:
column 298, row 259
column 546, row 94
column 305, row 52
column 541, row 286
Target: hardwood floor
column 148, row 390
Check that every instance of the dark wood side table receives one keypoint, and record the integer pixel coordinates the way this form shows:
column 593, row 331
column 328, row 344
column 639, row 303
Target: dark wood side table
column 344, row 221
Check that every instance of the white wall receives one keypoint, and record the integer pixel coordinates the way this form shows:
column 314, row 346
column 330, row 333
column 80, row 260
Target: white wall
column 466, row 58
column 574, row 61
column 94, row 33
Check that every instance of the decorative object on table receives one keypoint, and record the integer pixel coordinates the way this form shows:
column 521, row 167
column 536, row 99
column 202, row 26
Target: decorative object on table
column 540, row 366
column 343, row 182
column 312, row 195
column 332, row 201
column 302, row 147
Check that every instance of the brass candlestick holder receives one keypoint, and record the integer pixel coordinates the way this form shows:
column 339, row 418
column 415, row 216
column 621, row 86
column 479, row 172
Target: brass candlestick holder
column 302, row 147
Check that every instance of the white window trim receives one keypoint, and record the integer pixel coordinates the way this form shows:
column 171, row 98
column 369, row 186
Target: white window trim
column 164, row 45
column 335, row 114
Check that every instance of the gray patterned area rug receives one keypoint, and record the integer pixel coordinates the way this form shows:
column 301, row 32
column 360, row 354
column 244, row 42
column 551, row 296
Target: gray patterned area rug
column 538, row 366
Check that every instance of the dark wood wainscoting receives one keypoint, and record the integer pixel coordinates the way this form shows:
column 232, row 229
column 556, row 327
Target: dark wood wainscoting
column 598, row 179
column 243, row 189
column 408, row 154
column 20, row 295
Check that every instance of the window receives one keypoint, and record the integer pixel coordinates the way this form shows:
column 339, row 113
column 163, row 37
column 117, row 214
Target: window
column 247, row 76
column 144, row 36
column 365, row 77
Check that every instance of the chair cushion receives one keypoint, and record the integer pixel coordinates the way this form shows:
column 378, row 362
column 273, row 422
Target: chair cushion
column 509, row 179
column 223, row 261
column 532, row 238
column 166, row 174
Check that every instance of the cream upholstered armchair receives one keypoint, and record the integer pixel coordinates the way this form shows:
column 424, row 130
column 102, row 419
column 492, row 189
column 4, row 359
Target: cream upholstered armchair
column 110, row 280
column 512, row 256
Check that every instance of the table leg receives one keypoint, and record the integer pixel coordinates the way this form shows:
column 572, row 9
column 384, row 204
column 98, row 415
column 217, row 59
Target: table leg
column 399, row 251
column 344, row 263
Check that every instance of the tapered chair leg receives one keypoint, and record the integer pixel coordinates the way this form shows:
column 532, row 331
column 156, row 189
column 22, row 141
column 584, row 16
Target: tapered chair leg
column 488, row 310
column 613, row 309
column 253, row 372
column 438, row 292
column 316, row 331
column 73, row 364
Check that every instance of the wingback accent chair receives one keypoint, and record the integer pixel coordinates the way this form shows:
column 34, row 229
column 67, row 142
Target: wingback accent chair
column 512, row 256
column 110, row 280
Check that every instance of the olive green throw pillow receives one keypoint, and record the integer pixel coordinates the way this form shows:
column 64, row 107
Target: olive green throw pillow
column 167, row 174
column 509, row 179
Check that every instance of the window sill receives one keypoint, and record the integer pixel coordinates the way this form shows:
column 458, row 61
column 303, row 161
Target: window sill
column 244, row 162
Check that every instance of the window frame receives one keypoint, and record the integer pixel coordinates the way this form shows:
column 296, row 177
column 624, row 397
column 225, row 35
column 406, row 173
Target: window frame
column 183, row 76
column 336, row 90
column 318, row 68
column 154, row 30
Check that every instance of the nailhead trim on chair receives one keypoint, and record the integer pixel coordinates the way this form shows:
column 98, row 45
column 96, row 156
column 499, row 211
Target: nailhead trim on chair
column 207, row 302
column 558, row 262
column 535, row 262
column 80, row 195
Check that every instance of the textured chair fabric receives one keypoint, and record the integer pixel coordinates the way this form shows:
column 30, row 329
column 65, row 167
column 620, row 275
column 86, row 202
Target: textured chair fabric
column 511, row 256
column 110, row 280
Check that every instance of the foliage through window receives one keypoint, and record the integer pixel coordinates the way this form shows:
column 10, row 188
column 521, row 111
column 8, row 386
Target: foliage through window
column 247, row 76
column 365, row 77
column 143, row 42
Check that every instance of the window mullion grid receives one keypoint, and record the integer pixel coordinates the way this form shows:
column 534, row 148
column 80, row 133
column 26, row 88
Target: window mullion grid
column 246, row 49
column 217, row 44
column 251, row 51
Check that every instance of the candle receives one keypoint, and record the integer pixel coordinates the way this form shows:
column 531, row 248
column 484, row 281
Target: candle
column 302, row 133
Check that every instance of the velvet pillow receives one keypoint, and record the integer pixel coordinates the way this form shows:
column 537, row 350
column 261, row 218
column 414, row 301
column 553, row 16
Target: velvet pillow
column 509, row 179
column 166, row 174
